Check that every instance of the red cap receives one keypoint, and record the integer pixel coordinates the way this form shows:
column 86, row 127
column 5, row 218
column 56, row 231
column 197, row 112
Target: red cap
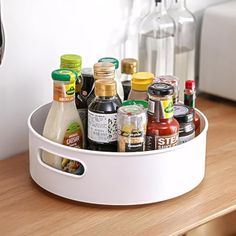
column 190, row 84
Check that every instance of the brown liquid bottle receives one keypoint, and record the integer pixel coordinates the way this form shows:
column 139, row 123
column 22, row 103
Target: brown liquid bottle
column 102, row 117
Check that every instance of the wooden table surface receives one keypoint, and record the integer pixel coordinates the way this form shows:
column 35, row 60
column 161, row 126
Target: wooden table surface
column 26, row 209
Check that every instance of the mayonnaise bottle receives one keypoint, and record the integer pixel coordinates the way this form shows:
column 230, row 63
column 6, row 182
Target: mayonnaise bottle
column 63, row 124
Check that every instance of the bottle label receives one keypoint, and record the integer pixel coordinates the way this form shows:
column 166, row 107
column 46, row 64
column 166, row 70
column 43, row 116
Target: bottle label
column 64, row 92
column 163, row 108
column 185, row 139
column 160, row 142
column 73, row 138
column 102, row 128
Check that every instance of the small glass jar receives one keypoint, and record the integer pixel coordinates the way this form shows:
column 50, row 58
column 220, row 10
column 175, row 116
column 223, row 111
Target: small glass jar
column 131, row 125
column 184, row 115
column 162, row 128
column 139, row 86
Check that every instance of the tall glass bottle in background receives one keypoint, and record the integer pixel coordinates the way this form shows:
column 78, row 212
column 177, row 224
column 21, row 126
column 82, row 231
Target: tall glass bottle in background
column 185, row 39
column 156, row 41
column 138, row 10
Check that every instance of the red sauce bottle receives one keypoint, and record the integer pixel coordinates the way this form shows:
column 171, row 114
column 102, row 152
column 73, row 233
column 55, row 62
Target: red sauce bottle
column 162, row 128
column 190, row 100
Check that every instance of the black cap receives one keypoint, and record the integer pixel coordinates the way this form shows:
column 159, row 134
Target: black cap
column 183, row 114
column 161, row 89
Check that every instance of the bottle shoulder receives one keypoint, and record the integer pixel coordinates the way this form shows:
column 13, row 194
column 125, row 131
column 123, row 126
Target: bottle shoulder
column 182, row 15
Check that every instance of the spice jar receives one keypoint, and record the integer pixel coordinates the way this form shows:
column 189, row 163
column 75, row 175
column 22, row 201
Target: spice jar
column 139, row 85
column 131, row 124
column 184, row 115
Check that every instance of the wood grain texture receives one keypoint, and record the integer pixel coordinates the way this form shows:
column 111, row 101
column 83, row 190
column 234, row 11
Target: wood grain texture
column 26, row 209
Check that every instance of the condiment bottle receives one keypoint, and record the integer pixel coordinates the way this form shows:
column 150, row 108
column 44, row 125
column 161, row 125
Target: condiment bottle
column 74, row 62
column 132, row 124
column 129, row 66
column 156, row 41
column 162, row 128
column 88, row 81
column 172, row 80
column 63, row 124
column 102, row 117
column 190, row 100
column 184, row 115
column 139, row 85
column 101, row 70
column 185, row 42
column 115, row 62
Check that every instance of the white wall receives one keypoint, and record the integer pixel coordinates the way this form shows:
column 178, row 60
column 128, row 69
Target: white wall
column 37, row 33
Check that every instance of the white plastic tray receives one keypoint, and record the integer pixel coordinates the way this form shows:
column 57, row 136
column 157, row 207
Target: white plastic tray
column 118, row 178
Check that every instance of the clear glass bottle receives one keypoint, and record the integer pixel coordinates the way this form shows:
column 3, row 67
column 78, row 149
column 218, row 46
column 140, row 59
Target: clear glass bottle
column 129, row 66
column 115, row 62
column 156, row 41
column 185, row 43
column 138, row 10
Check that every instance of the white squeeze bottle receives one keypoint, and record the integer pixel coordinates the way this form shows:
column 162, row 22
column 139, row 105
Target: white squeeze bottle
column 63, row 124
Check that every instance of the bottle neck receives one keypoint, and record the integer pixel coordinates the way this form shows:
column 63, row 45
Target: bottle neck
column 178, row 4
column 106, row 97
column 161, row 108
column 160, row 6
column 63, row 91
column 190, row 98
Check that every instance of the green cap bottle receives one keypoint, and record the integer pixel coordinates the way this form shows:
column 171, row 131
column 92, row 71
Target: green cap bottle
column 64, row 75
column 112, row 60
column 71, row 61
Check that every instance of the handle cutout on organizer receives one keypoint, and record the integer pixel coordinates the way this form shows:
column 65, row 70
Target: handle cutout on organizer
column 64, row 165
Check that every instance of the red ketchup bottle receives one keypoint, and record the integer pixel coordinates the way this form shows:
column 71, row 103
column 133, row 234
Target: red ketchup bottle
column 190, row 100
column 162, row 128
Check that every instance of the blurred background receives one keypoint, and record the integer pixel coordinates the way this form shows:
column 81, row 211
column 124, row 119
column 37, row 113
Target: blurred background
column 37, row 33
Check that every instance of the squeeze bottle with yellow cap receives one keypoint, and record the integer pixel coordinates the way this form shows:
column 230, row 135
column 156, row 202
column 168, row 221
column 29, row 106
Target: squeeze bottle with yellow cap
column 102, row 117
column 139, row 86
column 63, row 124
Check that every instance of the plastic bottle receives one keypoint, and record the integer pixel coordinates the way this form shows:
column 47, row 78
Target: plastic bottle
column 63, row 124
column 139, row 86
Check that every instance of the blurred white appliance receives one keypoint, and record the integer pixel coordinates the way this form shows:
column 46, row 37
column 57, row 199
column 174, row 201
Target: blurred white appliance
column 218, row 51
